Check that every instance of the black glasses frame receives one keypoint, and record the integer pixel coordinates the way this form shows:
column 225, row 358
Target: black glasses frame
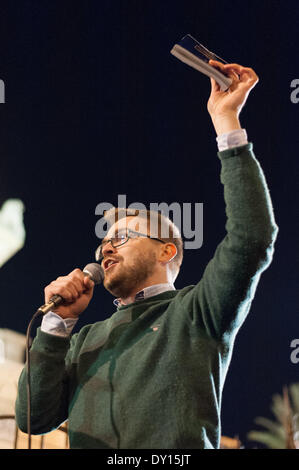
column 99, row 255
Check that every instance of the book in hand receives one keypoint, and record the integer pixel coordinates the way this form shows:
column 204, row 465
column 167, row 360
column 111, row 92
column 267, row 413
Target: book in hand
column 191, row 52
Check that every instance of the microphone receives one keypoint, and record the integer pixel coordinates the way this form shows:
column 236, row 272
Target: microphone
column 93, row 270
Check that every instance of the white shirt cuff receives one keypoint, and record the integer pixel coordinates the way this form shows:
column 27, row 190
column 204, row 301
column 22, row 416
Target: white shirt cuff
column 55, row 325
column 232, row 139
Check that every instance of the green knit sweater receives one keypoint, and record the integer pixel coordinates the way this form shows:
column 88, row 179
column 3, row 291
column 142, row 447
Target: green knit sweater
column 151, row 376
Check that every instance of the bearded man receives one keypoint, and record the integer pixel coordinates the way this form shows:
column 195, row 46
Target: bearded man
column 151, row 376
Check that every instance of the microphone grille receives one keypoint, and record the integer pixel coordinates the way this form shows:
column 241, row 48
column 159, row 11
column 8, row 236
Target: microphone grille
column 95, row 272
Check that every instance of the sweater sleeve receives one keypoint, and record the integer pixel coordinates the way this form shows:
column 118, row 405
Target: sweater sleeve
column 222, row 298
column 49, row 385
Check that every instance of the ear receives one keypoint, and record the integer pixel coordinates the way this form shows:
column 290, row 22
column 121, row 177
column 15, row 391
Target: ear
column 167, row 253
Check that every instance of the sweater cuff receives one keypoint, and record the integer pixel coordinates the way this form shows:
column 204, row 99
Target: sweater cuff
column 236, row 151
column 50, row 343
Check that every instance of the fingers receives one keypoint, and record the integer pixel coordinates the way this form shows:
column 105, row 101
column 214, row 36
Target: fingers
column 88, row 283
column 70, row 287
column 245, row 74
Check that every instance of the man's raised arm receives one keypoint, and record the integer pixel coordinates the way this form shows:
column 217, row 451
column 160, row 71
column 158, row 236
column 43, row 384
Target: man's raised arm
column 227, row 287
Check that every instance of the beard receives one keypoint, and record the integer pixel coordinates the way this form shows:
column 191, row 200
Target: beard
column 129, row 275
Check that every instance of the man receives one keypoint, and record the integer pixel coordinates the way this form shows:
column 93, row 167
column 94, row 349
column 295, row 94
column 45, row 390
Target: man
column 152, row 375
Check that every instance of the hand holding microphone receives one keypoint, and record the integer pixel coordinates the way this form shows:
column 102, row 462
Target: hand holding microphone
column 68, row 296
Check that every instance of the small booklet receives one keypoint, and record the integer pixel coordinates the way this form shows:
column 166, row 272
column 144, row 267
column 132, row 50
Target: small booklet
column 191, row 52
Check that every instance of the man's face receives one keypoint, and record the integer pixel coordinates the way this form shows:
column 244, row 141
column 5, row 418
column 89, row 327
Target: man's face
column 135, row 261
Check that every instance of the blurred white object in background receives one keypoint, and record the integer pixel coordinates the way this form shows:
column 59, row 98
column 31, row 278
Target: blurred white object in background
column 12, row 344
column 12, row 355
column 12, row 230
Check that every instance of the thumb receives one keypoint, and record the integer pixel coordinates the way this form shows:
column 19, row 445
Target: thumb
column 214, row 85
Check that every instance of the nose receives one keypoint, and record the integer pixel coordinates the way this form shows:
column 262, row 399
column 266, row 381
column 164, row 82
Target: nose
column 108, row 249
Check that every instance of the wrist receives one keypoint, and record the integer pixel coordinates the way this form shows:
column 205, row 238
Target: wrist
column 225, row 123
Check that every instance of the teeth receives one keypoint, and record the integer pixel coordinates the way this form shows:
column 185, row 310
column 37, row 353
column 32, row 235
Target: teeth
column 109, row 263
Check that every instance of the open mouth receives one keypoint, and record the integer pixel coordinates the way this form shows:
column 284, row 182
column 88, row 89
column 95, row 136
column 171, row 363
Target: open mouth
column 108, row 263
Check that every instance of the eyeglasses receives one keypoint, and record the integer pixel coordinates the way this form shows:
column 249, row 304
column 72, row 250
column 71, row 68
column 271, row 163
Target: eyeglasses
column 120, row 238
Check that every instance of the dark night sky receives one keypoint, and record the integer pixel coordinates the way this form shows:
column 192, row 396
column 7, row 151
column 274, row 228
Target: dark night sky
column 96, row 107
